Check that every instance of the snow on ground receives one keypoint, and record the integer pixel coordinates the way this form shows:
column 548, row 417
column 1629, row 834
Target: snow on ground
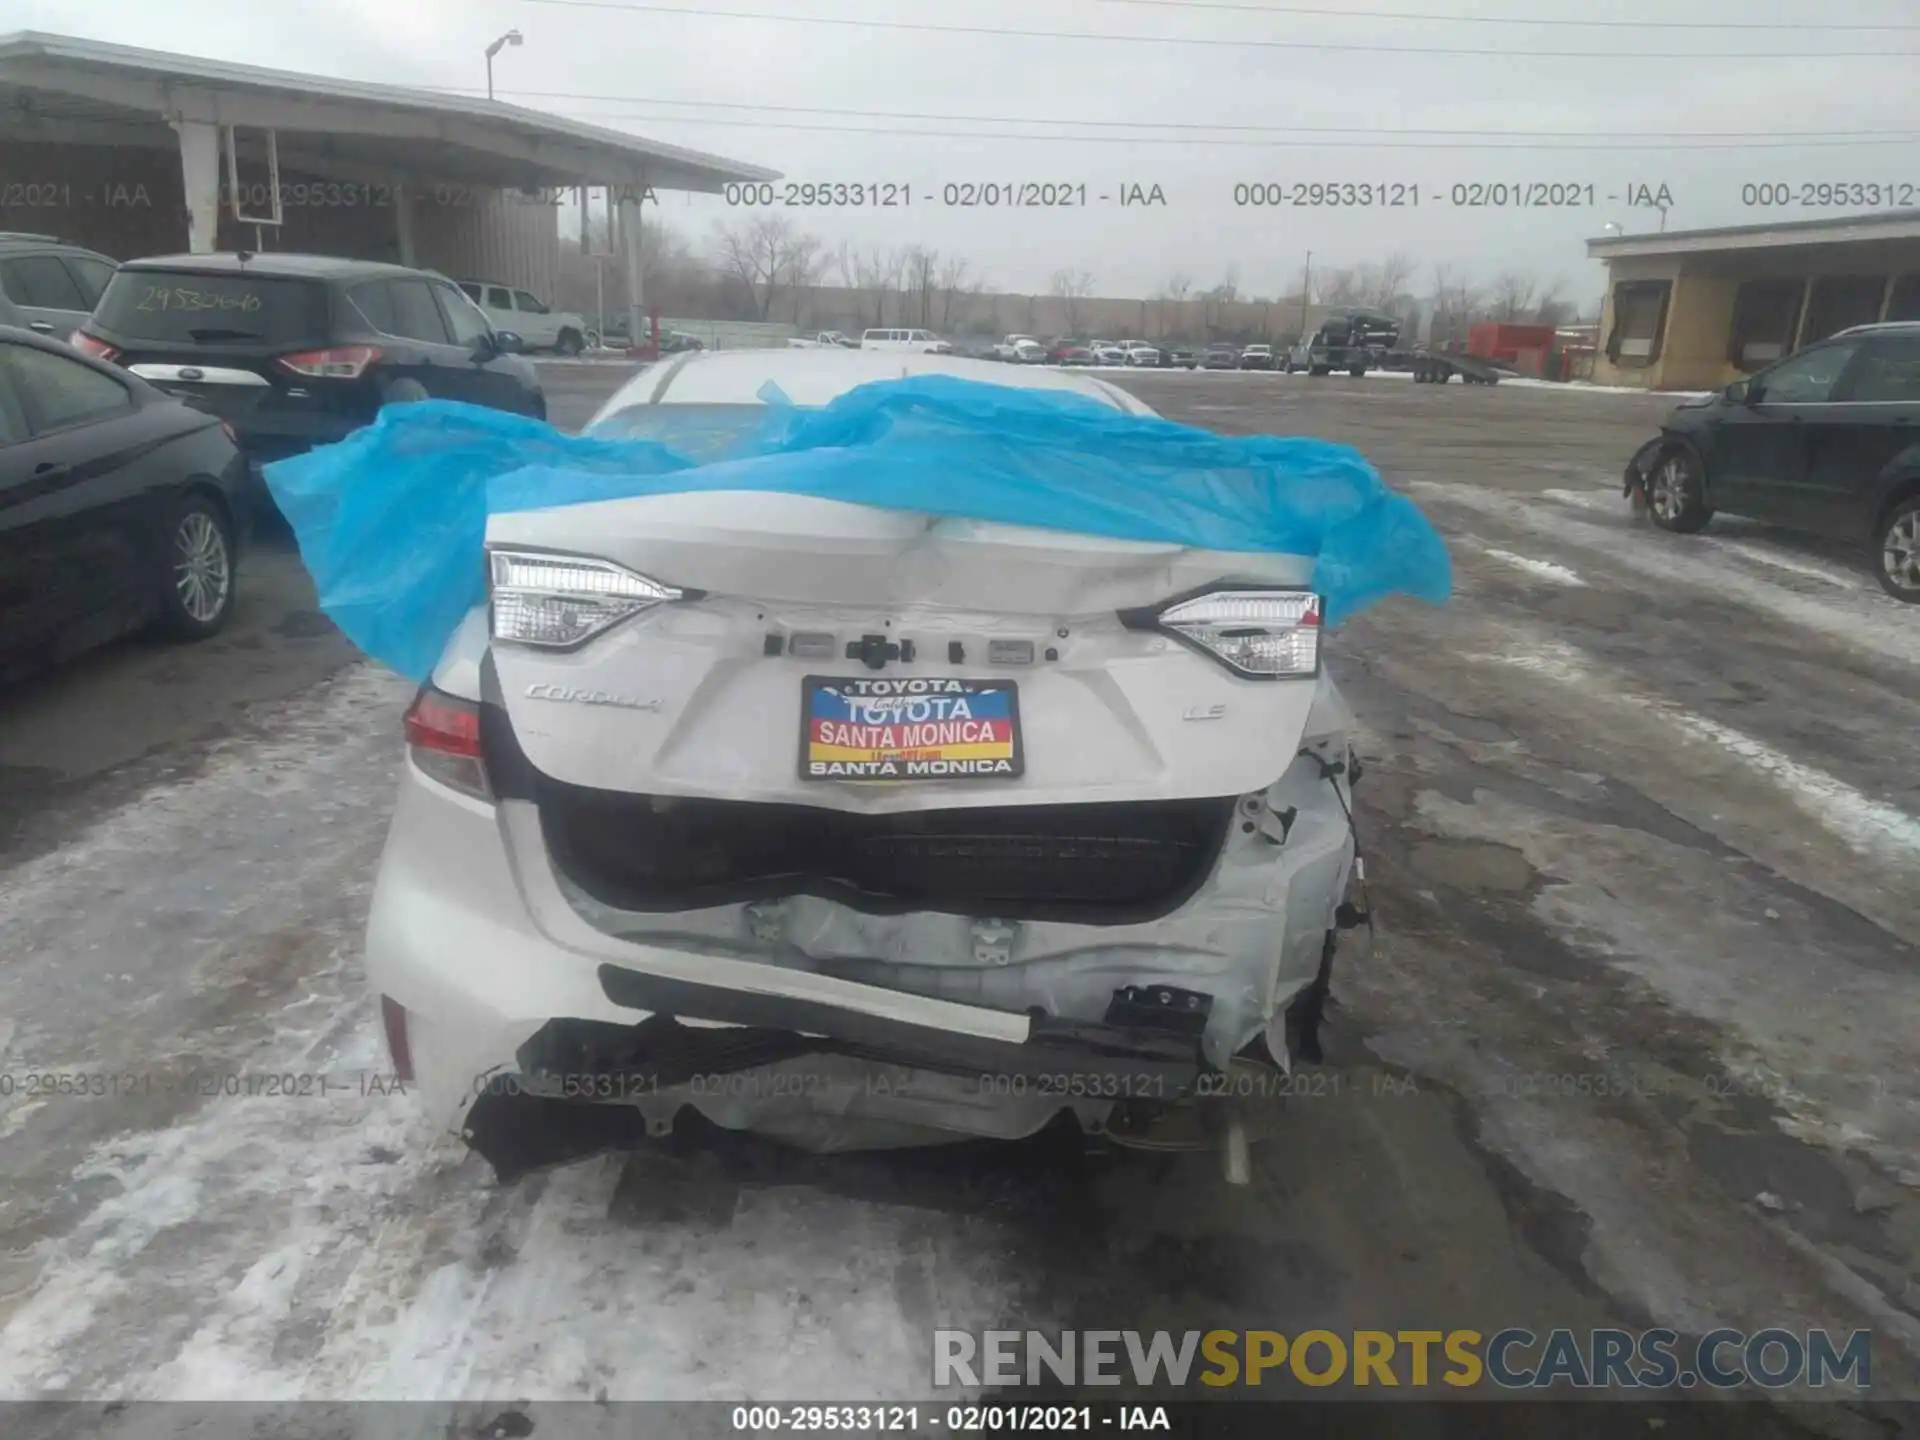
column 205, row 1238
column 1741, row 958
column 1859, row 618
column 1539, row 569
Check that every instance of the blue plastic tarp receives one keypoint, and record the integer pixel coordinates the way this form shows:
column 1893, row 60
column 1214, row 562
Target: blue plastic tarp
column 391, row 521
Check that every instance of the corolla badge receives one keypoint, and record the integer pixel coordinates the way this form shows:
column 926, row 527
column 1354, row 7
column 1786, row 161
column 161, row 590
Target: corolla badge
column 591, row 697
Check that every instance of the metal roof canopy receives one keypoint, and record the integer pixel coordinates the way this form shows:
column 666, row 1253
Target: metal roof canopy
column 61, row 89
column 1781, row 235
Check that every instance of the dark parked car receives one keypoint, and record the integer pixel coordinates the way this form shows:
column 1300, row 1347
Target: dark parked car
column 118, row 506
column 52, row 285
column 1827, row 440
column 1220, row 357
column 301, row 350
column 1178, row 357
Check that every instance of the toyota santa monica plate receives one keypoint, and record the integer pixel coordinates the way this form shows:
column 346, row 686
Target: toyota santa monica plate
column 919, row 729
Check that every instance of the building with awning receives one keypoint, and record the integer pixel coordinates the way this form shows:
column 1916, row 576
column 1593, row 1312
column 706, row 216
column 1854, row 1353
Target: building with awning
column 1698, row 309
column 137, row 152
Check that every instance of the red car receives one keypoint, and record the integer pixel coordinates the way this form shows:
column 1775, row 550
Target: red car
column 1069, row 352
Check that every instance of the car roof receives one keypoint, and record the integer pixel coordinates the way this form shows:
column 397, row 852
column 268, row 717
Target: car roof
column 1881, row 327
column 816, row 377
column 24, row 240
column 278, row 263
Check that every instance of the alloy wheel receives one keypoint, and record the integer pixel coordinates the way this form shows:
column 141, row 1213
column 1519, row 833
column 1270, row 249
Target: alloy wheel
column 1900, row 552
column 202, row 575
column 1671, row 488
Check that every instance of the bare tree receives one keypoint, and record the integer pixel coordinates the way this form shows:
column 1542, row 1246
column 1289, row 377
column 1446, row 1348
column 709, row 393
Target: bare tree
column 1343, row 286
column 918, row 269
column 877, row 275
column 1512, row 296
column 1214, row 302
column 1173, row 295
column 1392, row 279
column 1553, row 308
column 1456, row 303
column 1070, row 287
column 951, row 283
column 764, row 254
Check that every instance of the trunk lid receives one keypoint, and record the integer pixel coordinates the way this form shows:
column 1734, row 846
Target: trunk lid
column 705, row 697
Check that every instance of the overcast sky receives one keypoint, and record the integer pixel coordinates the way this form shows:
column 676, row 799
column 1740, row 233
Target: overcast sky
column 1216, row 95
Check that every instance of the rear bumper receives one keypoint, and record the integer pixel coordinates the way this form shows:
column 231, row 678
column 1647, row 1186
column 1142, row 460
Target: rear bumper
column 520, row 993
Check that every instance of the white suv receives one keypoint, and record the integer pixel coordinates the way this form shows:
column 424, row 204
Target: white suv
column 854, row 826
column 528, row 317
column 923, row 342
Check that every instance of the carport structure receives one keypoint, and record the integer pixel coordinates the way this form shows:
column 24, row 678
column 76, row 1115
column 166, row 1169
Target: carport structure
column 137, row 151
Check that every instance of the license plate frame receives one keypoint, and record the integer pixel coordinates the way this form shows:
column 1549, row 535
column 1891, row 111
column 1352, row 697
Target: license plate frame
column 926, row 711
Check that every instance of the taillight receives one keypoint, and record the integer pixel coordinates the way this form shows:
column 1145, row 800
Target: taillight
column 559, row 601
column 1257, row 634
column 342, row 362
column 443, row 737
column 87, row 345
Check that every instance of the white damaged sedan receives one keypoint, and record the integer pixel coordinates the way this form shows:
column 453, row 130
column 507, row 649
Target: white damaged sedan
column 855, row 827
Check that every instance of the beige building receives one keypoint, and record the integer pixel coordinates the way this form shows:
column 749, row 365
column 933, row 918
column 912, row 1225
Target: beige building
column 1698, row 309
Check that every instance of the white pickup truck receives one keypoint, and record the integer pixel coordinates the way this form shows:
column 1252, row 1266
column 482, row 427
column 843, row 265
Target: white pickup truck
column 1021, row 349
column 825, row 340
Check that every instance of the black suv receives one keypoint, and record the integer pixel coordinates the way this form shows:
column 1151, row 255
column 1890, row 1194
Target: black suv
column 1827, row 440
column 51, row 285
column 295, row 351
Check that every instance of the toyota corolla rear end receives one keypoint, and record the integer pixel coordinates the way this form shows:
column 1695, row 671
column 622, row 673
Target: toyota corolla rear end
column 855, row 827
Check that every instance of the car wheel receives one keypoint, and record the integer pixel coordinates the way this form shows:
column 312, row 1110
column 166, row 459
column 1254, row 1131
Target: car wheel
column 1358, row 372
column 197, row 593
column 593, row 339
column 1676, row 494
column 1898, row 547
column 569, row 343
column 403, row 391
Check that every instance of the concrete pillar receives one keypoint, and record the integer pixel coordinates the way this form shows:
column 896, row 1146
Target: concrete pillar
column 200, row 182
column 630, row 236
column 403, row 220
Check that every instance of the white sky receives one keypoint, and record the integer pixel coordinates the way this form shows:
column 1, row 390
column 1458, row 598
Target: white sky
column 704, row 80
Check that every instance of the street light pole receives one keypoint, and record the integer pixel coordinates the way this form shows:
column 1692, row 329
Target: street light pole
column 512, row 37
column 1306, row 294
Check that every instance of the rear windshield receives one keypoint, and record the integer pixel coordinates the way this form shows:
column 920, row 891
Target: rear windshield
column 183, row 308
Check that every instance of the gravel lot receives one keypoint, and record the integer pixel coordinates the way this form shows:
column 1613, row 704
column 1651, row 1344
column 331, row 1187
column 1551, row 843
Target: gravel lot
column 1636, row 1044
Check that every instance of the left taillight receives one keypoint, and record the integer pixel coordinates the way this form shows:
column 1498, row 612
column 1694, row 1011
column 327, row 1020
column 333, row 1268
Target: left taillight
column 1257, row 634
column 443, row 737
column 558, row 601
column 341, row 362
column 87, row 345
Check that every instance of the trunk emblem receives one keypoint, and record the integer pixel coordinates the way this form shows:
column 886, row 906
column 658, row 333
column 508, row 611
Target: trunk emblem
column 590, row 697
column 192, row 372
column 1216, row 711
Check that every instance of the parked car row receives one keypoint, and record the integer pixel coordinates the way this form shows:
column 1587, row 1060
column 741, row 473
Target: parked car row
column 138, row 401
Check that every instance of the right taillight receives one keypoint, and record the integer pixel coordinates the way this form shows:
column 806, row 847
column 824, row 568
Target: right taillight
column 443, row 737
column 342, row 362
column 87, row 345
column 1258, row 634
